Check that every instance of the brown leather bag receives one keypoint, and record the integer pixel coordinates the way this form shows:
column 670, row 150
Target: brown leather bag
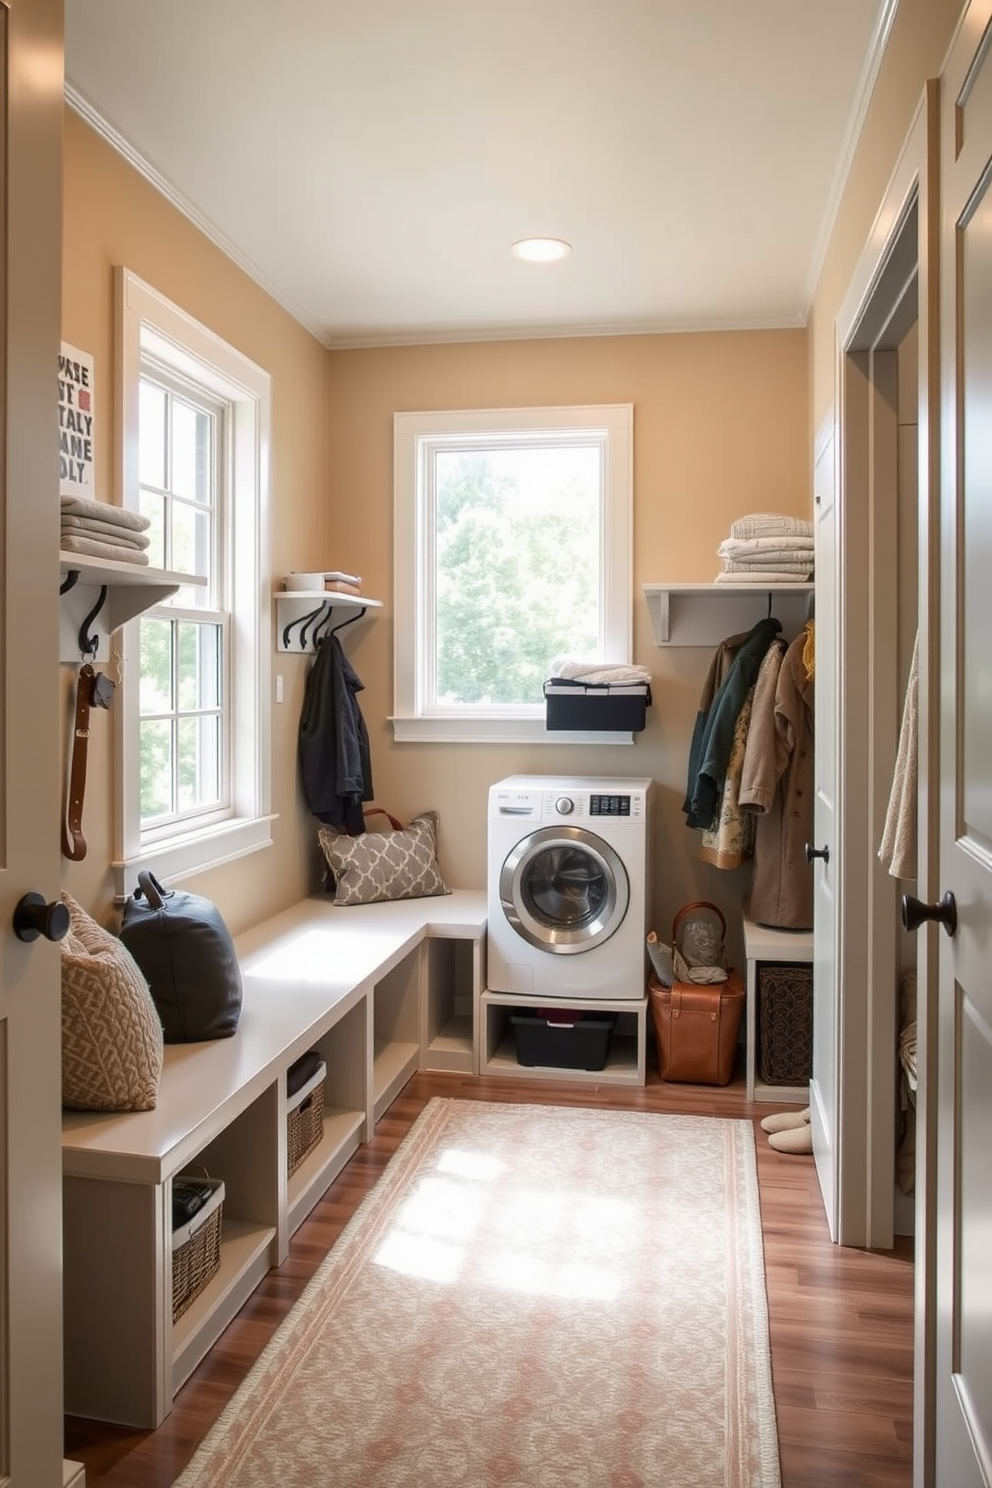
column 696, row 1029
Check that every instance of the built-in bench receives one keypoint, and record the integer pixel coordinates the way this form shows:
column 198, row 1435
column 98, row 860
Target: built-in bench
column 381, row 990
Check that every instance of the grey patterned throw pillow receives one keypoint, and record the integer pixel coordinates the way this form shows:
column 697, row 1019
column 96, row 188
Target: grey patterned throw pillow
column 376, row 866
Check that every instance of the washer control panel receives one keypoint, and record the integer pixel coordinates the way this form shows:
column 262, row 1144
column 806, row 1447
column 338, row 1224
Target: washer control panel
column 574, row 800
column 609, row 805
column 593, row 805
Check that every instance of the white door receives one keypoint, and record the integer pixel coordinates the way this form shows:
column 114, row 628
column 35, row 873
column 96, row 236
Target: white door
column 30, row 1114
column 824, row 1103
column 963, row 1438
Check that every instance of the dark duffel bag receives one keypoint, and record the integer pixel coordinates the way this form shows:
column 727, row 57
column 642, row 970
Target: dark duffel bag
column 187, row 955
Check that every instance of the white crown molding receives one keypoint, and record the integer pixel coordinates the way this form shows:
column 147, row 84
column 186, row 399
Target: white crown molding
column 137, row 161
column 866, row 86
column 461, row 334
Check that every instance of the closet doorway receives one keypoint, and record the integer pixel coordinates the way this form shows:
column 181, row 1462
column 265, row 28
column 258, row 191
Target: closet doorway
column 871, row 486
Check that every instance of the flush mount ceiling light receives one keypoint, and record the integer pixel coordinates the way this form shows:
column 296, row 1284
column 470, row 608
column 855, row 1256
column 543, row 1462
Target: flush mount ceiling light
column 541, row 250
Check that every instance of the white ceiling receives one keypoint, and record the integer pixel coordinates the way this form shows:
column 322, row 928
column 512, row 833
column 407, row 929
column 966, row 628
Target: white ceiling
column 369, row 162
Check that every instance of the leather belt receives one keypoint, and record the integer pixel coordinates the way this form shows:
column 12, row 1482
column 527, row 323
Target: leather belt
column 93, row 689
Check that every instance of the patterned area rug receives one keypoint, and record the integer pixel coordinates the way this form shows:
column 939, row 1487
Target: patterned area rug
column 531, row 1297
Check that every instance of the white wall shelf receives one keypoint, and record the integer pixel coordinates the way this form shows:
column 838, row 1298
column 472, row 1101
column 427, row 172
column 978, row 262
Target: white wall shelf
column 705, row 614
column 294, row 606
column 131, row 589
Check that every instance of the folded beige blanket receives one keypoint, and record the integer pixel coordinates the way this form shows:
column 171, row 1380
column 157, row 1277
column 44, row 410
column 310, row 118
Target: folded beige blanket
column 95, row 547
column 102, row 511
column 770, row 564
column 763, row 580
column 770, row 524
column 89, row 527
column 756, row 547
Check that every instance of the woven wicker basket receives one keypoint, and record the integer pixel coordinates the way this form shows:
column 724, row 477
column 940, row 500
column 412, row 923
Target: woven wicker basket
column 305, row 1120
column 196, row 1251
column 785, row 1024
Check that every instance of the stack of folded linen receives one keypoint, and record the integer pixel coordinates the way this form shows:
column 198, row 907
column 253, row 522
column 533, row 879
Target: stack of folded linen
column 600, row 673
column 766, row 548
column 102, row 531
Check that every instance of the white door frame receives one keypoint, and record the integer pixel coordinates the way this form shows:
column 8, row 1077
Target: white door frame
column 894, row 285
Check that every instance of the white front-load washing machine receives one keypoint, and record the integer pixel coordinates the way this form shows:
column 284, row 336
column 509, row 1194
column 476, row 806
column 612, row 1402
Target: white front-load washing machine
column 568, row 886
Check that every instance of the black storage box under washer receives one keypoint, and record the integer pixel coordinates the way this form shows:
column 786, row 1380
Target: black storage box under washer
column 595, row 708
column 557, row 1043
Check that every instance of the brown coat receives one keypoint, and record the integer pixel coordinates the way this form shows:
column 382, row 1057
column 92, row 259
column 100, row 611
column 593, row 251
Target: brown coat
column 777, row 784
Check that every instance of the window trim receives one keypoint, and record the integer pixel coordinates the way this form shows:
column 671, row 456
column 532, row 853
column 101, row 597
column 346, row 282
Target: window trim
column 411, row 722
column 149, row 323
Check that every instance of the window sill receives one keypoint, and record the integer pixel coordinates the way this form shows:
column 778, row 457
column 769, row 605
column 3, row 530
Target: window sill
column 495, row 731
column 194, row 853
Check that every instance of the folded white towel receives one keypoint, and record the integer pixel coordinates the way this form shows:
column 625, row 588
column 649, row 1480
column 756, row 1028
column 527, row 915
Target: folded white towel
column 770, row 524
column 102, row 511
column 89, row 527
column 600, row 671
column 95, row 547
column 757, row 577
column 753, row 547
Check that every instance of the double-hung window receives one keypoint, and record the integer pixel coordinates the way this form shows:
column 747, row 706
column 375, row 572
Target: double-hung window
column 194, row 782
column 512, row 552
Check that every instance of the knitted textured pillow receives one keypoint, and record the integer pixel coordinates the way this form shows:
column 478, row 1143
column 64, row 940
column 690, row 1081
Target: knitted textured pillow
column 375, row 866
column 111, row 1035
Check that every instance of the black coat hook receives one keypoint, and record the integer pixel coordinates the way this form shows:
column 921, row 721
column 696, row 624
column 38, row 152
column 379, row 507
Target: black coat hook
column 303, row 621
column 350, row 621
column 90, row 644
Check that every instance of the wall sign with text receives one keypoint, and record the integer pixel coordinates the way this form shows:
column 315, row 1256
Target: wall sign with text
column 75, row 422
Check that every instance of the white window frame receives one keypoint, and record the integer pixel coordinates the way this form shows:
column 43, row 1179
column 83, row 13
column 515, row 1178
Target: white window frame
column 150, row 325
column 415, row 435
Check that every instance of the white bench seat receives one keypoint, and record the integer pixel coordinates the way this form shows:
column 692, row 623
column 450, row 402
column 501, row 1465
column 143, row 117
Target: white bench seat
column 380, row 990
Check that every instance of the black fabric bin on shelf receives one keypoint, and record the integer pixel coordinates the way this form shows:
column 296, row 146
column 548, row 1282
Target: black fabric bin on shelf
column 785, row 1023
column 591, row 708
column 583, row 1044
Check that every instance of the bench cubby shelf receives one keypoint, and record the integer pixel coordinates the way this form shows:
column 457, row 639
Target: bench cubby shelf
column 765, row 945
column 381, row 991
column 626, row 1062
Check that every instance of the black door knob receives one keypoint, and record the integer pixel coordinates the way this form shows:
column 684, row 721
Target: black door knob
column 914, row 912
column 33, row 917
column 817, row 852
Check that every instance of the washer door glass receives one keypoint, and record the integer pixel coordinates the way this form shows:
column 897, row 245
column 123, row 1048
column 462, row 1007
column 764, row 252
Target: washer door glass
column 564, row 889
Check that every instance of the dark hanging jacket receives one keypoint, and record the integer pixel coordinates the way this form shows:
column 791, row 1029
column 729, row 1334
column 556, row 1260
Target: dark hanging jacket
column 335, row 762
column 714, row 736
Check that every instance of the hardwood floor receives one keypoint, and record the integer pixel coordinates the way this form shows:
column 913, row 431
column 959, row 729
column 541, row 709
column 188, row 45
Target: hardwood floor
column 841, row 1320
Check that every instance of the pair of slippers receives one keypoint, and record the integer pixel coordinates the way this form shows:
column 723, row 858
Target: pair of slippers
column 789, row 1131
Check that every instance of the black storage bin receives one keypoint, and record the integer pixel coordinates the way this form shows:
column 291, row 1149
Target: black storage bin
column 595, row 709
column 583, row 1044
column 785, row 1023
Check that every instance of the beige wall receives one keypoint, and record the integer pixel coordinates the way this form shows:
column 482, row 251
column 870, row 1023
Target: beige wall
column 919, row 41
column 720, row 429
column 112, row 216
